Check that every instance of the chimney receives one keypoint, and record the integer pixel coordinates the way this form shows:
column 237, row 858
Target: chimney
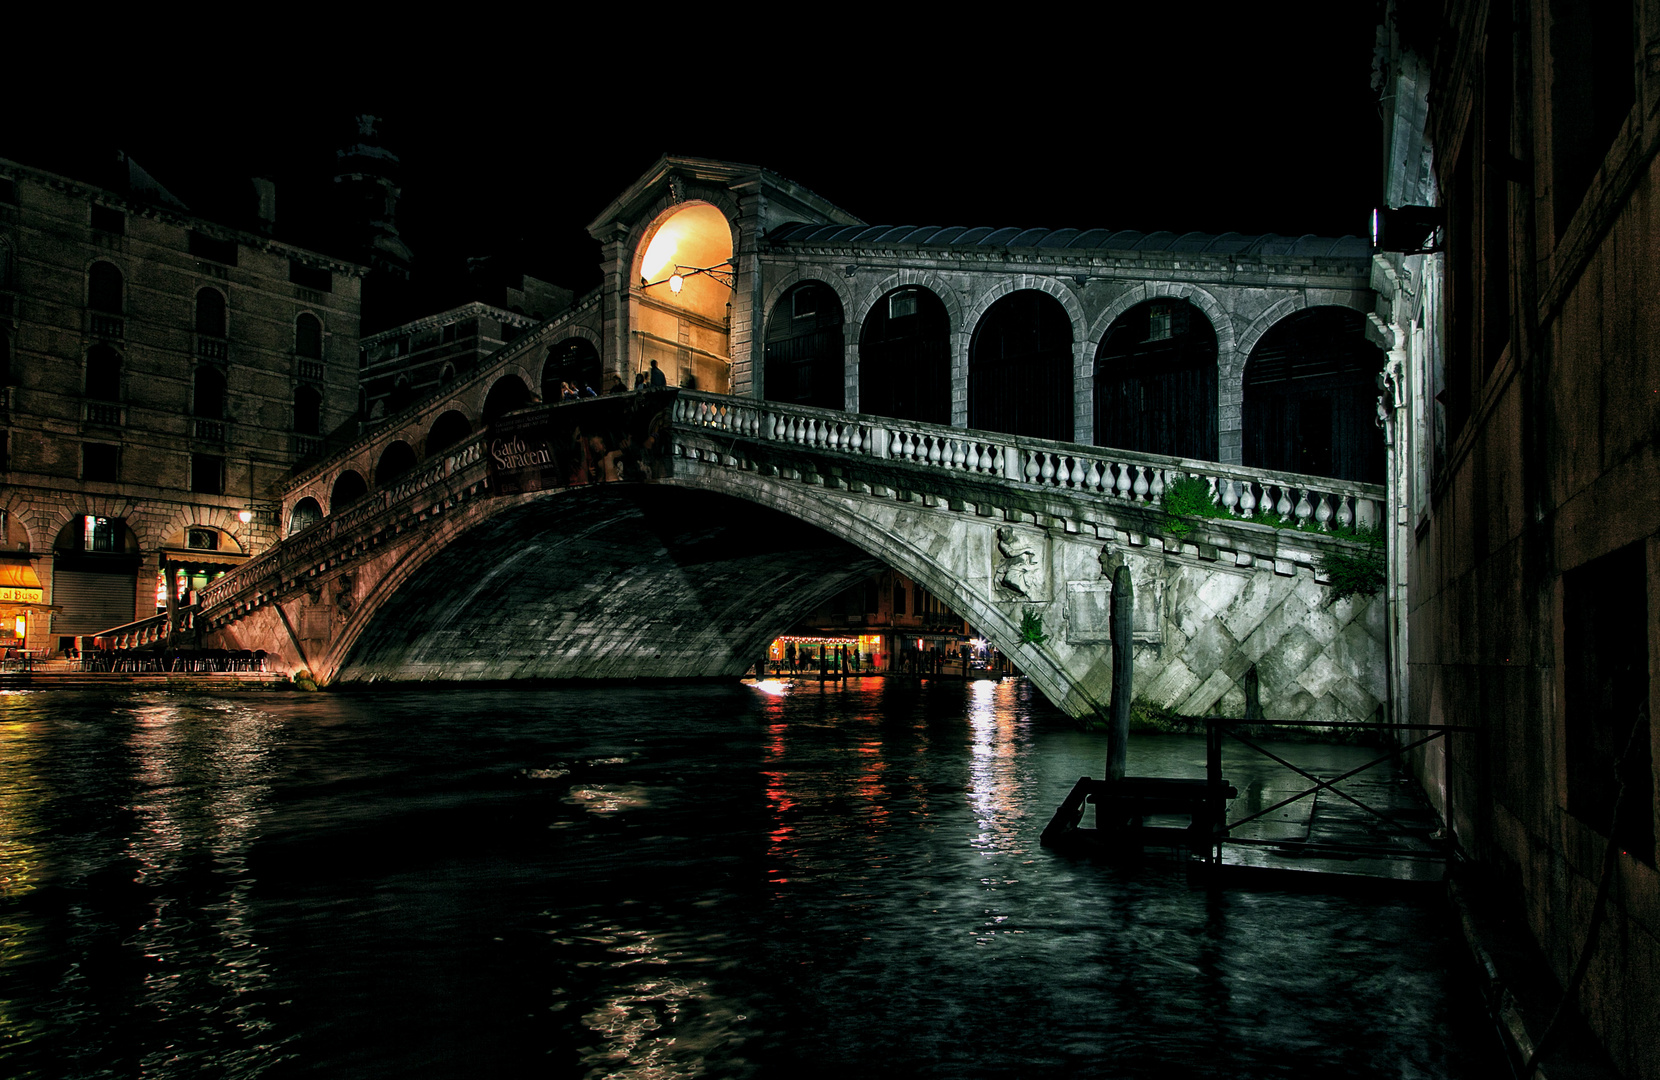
column 265, row 203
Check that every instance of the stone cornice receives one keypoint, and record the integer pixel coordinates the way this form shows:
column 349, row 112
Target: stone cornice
column 734, row 176
column 139, row 208
column 470, row 310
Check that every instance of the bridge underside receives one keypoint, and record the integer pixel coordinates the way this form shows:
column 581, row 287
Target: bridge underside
column 613, row 582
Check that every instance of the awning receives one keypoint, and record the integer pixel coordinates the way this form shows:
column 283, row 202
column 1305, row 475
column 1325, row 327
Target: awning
column 197, row 555
column 18, row 582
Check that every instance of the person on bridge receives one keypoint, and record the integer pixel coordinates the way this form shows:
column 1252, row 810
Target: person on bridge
column 657, row 376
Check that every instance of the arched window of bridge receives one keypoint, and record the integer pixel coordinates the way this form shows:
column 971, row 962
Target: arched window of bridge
column 805, row 361
column 306, row 513
column 446, row 431
column 684, row 287
column 349, row 487
column 1020, row 368
column 1310, row 398
column 905, row 357
column 574, row 360
column 1155, row 382
column 509, row 393
column 395, row 460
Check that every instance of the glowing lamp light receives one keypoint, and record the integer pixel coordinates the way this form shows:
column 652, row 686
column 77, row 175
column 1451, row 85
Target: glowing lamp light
column 245, row 516
column 675, row 281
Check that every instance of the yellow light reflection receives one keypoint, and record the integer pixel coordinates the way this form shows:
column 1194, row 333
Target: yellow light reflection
column 660, row 253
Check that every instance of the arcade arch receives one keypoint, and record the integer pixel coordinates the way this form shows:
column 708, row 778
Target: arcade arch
column 447, row 430
column 305, row 514
column 1020, row 367
column 395, row 460
column 905, row 357
column 1310, row 395
column 508, row 393
column 349, row 487
column 805, row 355
column 574, row 361
column 1156, row 381
column 682, row 299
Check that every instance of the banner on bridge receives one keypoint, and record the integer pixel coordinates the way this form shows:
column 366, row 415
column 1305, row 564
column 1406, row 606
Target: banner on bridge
column 619, row 438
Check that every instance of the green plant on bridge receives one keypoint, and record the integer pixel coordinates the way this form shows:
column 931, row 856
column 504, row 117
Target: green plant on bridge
column 1031, row 627
column 1352, row 573
column 1355, row 573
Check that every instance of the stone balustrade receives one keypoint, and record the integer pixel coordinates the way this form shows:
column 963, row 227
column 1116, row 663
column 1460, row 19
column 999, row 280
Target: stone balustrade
column 1121, row 475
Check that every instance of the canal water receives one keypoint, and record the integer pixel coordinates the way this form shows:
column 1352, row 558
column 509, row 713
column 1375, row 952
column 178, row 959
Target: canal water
column 650, row 882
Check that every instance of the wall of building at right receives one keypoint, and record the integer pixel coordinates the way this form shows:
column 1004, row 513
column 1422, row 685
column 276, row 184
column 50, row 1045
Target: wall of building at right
column 1530, row 398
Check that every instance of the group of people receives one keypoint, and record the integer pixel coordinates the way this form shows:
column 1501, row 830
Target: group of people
column 651, row 379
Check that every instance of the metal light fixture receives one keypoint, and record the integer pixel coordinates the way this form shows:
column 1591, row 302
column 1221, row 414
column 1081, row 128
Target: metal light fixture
column 723, row 272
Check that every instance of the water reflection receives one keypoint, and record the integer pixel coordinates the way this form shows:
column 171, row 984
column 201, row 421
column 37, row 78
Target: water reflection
column 643, row 883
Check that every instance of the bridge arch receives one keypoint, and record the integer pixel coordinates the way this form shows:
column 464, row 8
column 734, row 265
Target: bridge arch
column 306, row 513
column 348, row 487
column 451, row 427
column 907, row 348
column 1155, row 381
column 681, row 316
column 574, row 359
column 397, row 459
column 506, row 394
column 490, row 580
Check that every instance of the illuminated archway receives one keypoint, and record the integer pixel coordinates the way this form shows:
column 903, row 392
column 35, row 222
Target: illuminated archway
column 682, row 299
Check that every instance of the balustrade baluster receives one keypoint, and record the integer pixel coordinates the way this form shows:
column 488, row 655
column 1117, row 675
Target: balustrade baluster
column 856, row 441
column 1093, row 479
column 1158, row 486
column 988, row 460
column 959, row 452
column 1345, row 513
column 1283, row 507
column 1032, row 467
column 1122, row 487
column 1230, row 495
column 1248, row 499
column 934, row 450
column 1140, row 484
column 1047, row 472
column 1322, row 513
column 999, row 462
column 1303, row 508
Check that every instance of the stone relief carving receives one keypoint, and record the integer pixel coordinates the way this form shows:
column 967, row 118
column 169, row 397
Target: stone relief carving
column 1022, row 567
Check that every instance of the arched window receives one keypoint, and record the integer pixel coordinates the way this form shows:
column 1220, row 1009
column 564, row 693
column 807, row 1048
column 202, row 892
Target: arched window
column 1311, row 398
column 349, row 487
column 509, row 393
column 905, row 357
column 306, row 514
column 308, row 411
column 446, row 376
column 1155, row 382
column 308, row 337
column 210, row 313
column 1020, row 368
column 209, row 398
column 447, row 430
column 574, row 361
column 103, row 373
column 805, row 360
column 104, row 289
column 395, row 460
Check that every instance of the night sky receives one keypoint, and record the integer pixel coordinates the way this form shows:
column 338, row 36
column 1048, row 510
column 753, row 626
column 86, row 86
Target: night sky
column 1255, row 118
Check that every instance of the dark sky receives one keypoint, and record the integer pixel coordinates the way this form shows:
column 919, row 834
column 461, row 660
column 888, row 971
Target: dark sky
column 1255, row 118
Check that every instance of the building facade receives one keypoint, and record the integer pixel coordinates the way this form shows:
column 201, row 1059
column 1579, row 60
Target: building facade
column 163, row 375
column 1520, row 315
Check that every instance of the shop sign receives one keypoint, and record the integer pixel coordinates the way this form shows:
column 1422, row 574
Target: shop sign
column 21, row 596
column 619, row 438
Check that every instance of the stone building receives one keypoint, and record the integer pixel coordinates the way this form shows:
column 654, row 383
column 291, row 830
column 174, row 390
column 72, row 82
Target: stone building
column 1517, row 299
column 162, row 375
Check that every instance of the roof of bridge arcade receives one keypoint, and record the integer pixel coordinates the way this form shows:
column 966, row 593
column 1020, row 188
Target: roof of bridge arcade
column 1070, row 240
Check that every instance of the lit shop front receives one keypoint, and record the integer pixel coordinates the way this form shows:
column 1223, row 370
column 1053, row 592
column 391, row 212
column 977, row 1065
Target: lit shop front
column 864, row 651
column 193, row 558
column 22, row 602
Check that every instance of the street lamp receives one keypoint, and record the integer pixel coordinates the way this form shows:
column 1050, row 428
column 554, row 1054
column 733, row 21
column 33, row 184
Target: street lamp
column 723, row 272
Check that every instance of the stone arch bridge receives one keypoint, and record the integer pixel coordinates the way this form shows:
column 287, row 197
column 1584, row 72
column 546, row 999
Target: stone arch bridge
column 754, row 512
